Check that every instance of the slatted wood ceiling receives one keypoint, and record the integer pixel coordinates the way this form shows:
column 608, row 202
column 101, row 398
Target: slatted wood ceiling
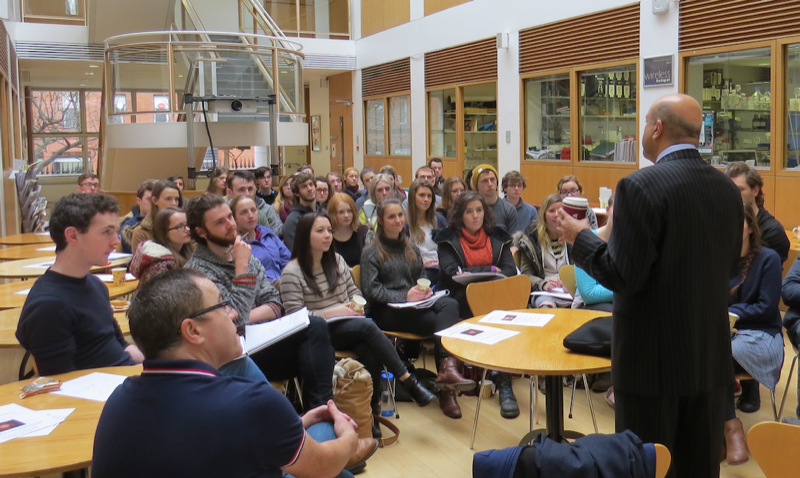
column 710, row 23
column 385, row 79
column 468, row 63
column 599, row 37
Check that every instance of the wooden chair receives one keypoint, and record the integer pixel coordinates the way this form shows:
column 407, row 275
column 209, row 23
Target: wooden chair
column 663, row 460
column 356, row 272
column 567, row 276
column 773, row 445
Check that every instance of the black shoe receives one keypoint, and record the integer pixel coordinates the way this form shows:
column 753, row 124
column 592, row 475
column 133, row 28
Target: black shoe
column 421, row 395
column 750, row 401
column 376, row 429
column 508, row 402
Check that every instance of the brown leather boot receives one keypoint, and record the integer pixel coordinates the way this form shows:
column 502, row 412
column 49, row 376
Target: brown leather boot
column 366, row 448
column 448, row 403
column 450, row 378
column 736, row 443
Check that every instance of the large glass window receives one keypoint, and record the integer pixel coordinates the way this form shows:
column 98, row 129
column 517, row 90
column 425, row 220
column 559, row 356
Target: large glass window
column 608, row 114
column 480, row 125
column 311, row 18
column 375, row 140
column 793, row 107
column 399, row 126
column 734, row 89
column 442, row 123
column 547, row 113
column 399, row 121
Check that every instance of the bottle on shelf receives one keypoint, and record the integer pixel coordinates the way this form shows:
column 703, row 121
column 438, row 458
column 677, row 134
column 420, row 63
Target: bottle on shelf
column 755, row 100
column 601, row 86
column 766, row 100
column 583, row 86
column 626, row 85
column 618, row 77
column 612, row 86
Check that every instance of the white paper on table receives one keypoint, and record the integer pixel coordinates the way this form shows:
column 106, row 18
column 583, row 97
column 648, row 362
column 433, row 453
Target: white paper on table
column 21, row 421
column 41, row 265
column 118, row 255
column 22, row 292
column 517, row 318
column 47, row 249
column 477, row 333
column 59, row 414
column 110, row 277
column 420, row 304
column 557, row 292
column 94, row 386
column 45, row 233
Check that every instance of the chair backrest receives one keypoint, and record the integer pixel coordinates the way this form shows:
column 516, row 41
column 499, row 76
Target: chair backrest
column 567, row 276
column 663, row 460
column 503, row 294
column 356, row 271
column 773, row 445
column 517, row 258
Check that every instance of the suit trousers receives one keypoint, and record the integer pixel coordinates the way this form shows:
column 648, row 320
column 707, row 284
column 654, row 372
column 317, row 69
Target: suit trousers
column 690, row 427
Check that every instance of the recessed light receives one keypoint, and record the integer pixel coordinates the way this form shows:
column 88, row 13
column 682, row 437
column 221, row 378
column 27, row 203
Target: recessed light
column 83, row 85
column 180, row 76
column 89, row 73
column 94, row 66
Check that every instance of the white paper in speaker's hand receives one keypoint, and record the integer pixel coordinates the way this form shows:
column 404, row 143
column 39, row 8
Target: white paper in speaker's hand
column 59, row 414
column 95, row 386
column 47, row 249
column 477, row 333
column 557, row 292
column 517, row 318
column 17, row 421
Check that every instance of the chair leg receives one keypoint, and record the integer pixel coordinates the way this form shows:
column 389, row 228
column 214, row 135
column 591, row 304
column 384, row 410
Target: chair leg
column 786, row 390
column 478, row 409
column 299, row 391
column 572, row 402
column 591, row 405
column 535, row 399
column 774, row 410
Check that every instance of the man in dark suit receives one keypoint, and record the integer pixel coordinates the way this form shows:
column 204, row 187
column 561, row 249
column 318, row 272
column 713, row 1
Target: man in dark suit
column 676, row 242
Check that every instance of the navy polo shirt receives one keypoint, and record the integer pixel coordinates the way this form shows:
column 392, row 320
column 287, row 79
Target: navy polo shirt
column 180, row 418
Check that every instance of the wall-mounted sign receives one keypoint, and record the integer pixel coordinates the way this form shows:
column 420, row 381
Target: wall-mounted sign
column 658, row 71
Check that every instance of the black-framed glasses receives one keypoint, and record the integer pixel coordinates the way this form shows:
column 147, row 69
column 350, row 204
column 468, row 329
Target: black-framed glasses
column 179, row 227
column 225, row 303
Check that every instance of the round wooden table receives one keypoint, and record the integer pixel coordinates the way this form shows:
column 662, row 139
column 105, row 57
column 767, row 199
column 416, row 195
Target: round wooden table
column 27, row 238
column 27, row 252
column 18, row 269
column 9, row 298
column 69, row 446
column 536, row 351
column 10, row 317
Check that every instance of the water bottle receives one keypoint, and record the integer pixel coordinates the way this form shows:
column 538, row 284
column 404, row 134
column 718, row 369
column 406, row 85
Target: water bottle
column 386, row 408
column 755, row 100
column 766, row 100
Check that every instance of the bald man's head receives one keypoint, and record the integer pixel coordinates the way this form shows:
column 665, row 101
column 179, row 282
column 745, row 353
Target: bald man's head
column 673, row 119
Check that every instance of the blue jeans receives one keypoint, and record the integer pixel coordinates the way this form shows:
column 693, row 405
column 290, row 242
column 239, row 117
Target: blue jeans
column 245, row 368
column 323, row 432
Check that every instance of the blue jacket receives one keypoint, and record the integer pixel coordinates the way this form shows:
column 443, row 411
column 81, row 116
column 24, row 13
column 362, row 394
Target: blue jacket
column 270, row 251
column 757, row 299
column 591, row 291
column 791, row 295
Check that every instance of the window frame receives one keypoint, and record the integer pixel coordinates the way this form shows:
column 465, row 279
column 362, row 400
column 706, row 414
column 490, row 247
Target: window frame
column 386, row 126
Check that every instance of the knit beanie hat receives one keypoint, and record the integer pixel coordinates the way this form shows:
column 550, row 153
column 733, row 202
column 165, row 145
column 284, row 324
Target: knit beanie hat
column 476, row 173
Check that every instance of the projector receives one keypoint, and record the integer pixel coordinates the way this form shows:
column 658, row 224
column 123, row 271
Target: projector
column 226, row 106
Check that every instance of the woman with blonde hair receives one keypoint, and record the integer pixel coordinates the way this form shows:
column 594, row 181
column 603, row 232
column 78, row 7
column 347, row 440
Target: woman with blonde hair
column 381, row 187
column 423, row 223
column 170, row 248
column 349, row 237
column 398, row 191
column 285, row 199
column 452, row 187
column 351, row 177
column 218, row 182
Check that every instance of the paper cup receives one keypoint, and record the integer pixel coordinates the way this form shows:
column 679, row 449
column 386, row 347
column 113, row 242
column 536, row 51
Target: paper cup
column 119, row 275
column 486, row 389
column 576, row 207
column 358, row 303
column 732, row 318
column 423, row 284
column 796, row 231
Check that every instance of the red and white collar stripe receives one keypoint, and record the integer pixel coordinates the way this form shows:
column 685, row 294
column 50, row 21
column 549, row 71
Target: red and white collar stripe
column 179, row 371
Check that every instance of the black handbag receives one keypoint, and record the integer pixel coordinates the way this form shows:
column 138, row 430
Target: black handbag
column 592, row 338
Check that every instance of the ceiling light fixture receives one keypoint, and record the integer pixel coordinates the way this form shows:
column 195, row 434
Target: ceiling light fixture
column 89, row 73
column 94, row 66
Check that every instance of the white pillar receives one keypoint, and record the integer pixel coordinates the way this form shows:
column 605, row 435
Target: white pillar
column 358, row 122
column 322, row 22
column 508, row 106
column 416, row 9
column 419, row 153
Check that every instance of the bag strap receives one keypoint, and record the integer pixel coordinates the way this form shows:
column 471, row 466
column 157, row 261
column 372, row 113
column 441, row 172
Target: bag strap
column 384, row 442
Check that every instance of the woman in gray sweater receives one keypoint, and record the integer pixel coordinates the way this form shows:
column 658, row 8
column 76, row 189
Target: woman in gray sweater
column 390, row 268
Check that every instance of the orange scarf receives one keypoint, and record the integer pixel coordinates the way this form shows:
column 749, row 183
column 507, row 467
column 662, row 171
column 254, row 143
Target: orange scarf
column 477, row 248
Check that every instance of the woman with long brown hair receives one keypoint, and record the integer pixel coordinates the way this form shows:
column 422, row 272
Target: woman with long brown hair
column 218, row 182
column 165, row 194
column 170, row 248
column 423, row 223
column 349, row 237
column 285, row 199
column 452, row 187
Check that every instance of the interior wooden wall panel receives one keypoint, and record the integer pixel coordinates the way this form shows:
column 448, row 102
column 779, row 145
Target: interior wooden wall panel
column 127, row 199
column 433, row 6
column 542, row 179
column 770, row 195
column 13, row 220
column 468, row 63
column 386, row 78
column 401, row 165
column 711, row 23
column 556, row 45
column 593, row 178
column 450, row 167
column 340, row 90
column 786, row 208
column 380, row 15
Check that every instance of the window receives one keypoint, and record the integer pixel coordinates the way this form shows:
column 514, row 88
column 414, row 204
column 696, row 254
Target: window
column 376, row 143
column 793, row 106
column 547, row 116
column 442, row 123
column 608, row 114
column 396, row 112
column 399, row 126
column 480, row 125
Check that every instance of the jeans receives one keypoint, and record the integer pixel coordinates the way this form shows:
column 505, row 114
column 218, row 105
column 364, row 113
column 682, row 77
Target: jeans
column 321, row 432
column 245, row 368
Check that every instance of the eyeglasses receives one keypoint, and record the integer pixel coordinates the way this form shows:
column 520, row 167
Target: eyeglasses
column 179, row 227
column 91, row 185
column 571, row 192
column 225, row 303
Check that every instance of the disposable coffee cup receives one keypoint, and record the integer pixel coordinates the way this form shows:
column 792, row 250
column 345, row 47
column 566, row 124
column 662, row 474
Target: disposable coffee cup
column 732, row 318
column 576, row 207
column 358, row 303
column 796, row 231
column 486, row 389
column 119, row 275
column 423, row 284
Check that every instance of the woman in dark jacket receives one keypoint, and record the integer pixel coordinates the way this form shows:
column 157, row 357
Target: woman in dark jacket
column 472, row 243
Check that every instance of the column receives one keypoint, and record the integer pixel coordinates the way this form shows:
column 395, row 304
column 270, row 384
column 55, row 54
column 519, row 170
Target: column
column 508, row 106
column 419, row 152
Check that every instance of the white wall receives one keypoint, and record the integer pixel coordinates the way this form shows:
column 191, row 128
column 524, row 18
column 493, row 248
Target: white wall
column 41, row 32
column 218, row 15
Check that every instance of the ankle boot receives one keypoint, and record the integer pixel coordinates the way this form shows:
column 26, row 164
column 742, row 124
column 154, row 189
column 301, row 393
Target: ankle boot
column 448, row 403
column 750, row 400
column 366, row 448
column 735, row 441
column 508, row 402
column 449, row 376
column 421, row 395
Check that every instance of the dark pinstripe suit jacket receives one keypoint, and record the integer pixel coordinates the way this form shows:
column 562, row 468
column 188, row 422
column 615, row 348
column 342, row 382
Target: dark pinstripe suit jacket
column 675, row 244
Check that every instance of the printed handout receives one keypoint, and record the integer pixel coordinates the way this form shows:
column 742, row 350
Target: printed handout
column 516, row 318
column 477, row 333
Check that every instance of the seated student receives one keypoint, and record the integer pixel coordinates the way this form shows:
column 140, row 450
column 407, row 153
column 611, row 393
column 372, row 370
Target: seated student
column 265, row 191
column 180, row 417
column 335, row 181
column 485, row 181
column 381, row 187
column 66, row 323
column 178, row 180
column 243, row 182
column 425, row 174
column 319, row 279
column 285, row 199
column 790, row 292
column 390, row 268
column 218, row 182
column 265, row 244
column 423, row 224
column 569, row 186
column 349, row 236
column 323, row 187
column 513, row 185
column 227, row 261
column 398, row 191
column 305, row 201
column 366, row 179
column 351, row 184
column 453, row 186
column 88, row 183
column 165, row 194
column 472, row 243
column 137, row 214
column 590, row 293
column 541, row 255
column 757, row 346
column 437, row 166
column 170, row 248
column 305, row 168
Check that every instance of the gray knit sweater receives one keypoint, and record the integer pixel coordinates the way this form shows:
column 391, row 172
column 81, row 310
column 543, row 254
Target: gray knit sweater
column 296, row 294
column 246, row 291
column 388, row 281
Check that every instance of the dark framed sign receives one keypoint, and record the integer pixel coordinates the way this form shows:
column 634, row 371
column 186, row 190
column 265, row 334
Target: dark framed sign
column 658, row 71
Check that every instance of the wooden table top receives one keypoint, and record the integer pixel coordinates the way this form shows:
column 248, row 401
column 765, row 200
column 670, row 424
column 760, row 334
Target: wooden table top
column 17, row 269
column 26, row 252
column 27, row 238
column 794, row 240
column 536, row 350
column 9, row 299
column 69, row 446
column 10, row 317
